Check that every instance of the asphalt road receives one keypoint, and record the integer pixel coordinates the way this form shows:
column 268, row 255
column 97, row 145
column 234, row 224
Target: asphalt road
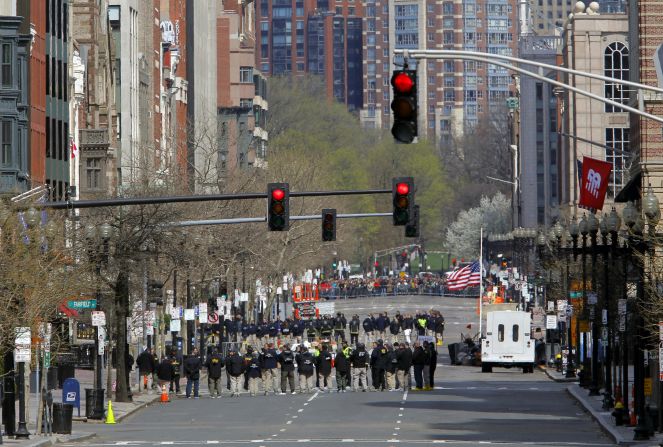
column 466, row 408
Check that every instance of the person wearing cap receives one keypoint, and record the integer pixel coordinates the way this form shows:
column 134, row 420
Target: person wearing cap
column 286, row 361
column 268, row 366
column 235, row 368
column 324, row 368
column 359, row 362
column 342, row 366
column 305, row 363
column 254, row 374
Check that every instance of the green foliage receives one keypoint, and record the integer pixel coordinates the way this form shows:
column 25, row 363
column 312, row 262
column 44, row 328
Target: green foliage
column 329, row 141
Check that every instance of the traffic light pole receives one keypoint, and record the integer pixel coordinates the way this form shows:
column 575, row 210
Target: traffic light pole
column 508, row 61
column 243, row 220
column 199, row 198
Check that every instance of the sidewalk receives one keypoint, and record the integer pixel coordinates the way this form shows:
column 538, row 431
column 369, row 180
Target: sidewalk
column 82, row 429
column 621, row 435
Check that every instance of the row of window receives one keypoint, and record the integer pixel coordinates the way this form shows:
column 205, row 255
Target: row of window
column 56, row 79
column 57, row 139
column 57, row 16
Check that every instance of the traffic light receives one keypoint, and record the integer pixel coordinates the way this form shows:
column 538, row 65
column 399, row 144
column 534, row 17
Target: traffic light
column 278, row 206
column 404, row 105
column 402, row 192
column 412, row 227
column 328, row 225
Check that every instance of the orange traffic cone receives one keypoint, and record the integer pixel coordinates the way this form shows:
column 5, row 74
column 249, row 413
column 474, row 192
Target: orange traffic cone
column 164, row 395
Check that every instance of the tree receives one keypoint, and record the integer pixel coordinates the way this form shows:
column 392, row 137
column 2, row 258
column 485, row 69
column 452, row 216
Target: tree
column 492, row 214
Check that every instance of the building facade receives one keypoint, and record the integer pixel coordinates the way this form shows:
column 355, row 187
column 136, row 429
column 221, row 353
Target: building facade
column 452, row 95
column 595, row 43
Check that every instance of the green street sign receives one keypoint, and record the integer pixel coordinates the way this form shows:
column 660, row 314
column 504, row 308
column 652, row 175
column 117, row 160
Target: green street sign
column 47, row 359
column 82, row 304
column 512, row 103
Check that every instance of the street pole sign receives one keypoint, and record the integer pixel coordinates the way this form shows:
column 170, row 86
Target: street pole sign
column 23, row 340
column 98, row 318
column 82, row 304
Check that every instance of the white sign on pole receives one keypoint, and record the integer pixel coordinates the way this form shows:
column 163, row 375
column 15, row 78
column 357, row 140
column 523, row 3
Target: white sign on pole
column 551, row 306
column 23, row 336
column 621, row 307
column 551, row 321
column 244, row 297
column 102, row 340
column 279, row 290
column 22, row 353
column 219, row 302
column 189, row 314
column 98, row 318
column 213, row 318
column 175, row 325
column 604, row 316
column 561, row 305
column 176, row 313
column 149, row 328
column 592, row 298
column 202, row 311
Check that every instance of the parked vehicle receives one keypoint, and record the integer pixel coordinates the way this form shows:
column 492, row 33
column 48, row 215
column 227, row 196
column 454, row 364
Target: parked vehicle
column 508, row 341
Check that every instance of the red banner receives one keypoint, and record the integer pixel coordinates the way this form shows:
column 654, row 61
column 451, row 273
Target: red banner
column 594, row 183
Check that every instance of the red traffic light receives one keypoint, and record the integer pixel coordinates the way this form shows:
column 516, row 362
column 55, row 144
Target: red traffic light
column 402, row 188
column 403, row 83
column 278, row 194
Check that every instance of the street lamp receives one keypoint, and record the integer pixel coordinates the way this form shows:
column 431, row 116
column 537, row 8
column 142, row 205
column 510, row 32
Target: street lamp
column 593, row 225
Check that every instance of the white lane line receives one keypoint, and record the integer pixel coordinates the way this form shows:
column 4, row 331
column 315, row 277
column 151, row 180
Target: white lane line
column 167, row 443
column 212, row 442
column 397, row 428
column 398, row 422
column 295, row 417
column 288, row 423
column 300, row 410
column 305, row 403
column 303, row 440
column 313, row 397
column 347, row 440
column 282, row 430
column 257, row 441
column 274, row 436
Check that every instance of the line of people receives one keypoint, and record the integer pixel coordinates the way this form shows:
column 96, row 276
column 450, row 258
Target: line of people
column 304, row 370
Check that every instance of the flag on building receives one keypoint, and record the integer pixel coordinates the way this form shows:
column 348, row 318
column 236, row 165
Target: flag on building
column 468, row 276
column 74, row 149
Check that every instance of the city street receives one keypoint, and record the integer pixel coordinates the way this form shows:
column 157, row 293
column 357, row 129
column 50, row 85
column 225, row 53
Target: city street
column 466, row 407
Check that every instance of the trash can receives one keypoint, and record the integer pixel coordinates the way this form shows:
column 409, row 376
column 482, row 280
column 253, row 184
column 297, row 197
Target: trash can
column 62, row 418
column 94, row 399
column 453, row 350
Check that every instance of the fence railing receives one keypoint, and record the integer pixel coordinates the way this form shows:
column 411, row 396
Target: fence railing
column 363, row 291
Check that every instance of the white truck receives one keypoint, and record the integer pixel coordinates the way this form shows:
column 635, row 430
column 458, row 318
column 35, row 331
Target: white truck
column 508, row 342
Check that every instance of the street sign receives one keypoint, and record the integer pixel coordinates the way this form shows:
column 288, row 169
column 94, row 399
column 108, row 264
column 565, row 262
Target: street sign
column 189, row 314
column 22, row 353
column 23, row 336
column 82, row 304
column 592, row 298
column 175, row 326
column 47, row 359
column 98, row 318
column 551, row 321
column 213, row 318
column 604, row 316
column 202, row 310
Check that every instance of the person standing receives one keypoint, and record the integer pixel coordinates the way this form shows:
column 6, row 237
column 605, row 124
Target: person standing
column 394, row 329
column 176, row 360
column 418, row 361
column 367, row 324
column 433, row 365
column 214, row 366
column 268, row 367
column 146, row 366
column 324, row 368
column 192, row 372
column 359, row 363
column 426, row 370
column 354, row 330
column 403, row 365
column 392, row 362
column 165, row 372
column 254, row 374
column 235, row 368
column 287, row 362
column 342, row 366
column 305, row 368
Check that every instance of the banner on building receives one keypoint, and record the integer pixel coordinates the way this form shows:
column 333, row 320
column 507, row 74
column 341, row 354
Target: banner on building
column 594, row 183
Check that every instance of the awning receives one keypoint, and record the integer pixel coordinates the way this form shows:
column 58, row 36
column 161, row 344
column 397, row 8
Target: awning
column 632, row 190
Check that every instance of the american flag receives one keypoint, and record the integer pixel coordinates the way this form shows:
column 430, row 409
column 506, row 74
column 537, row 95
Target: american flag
column 468, row 276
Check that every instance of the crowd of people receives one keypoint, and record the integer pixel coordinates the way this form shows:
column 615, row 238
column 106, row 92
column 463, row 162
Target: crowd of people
column 382, row 354
column 383, row 286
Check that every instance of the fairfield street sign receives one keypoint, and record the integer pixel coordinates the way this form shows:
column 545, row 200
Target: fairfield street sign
column 82, row 304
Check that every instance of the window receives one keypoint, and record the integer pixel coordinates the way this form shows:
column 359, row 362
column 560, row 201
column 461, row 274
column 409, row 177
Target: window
column 616, row 138
column 300, row 66
column 246, row 102
column 430, row 21
column 615, row 65
column 6, row 65
column 515, row 333
column 431, row 37
column 246, row 75
column 6, row 157
column 93, row 172
column 500, row 332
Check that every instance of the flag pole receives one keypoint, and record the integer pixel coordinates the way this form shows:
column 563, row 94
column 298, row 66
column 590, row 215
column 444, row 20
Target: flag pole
column 481, row 283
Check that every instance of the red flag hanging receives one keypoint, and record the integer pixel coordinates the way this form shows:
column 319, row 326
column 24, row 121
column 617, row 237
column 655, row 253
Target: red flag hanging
column 594, row 183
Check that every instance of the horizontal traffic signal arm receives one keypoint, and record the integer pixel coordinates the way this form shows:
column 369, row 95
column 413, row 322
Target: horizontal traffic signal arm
column 198, row 198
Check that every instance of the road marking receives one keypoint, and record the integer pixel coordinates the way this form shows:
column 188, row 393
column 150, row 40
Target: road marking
column 212, row 442
column 358, row 441
column 347, row 440
column 282, row 430
column 295, row 417
column 398, row 422
column 305, row 403
column 313, row 397
column 256, row 441
column 400, row 415
column 167, row 442
column 300, row 410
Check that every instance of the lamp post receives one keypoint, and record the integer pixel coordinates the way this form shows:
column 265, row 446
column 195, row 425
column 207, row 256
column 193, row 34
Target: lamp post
column 584, row 231
column 574, row 230
column 593, row 226
column 99, row 255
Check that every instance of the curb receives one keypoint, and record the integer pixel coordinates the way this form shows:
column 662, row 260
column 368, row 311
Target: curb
column 557, row 379
column 56, row 439
column 136, row 408
column 608, row 429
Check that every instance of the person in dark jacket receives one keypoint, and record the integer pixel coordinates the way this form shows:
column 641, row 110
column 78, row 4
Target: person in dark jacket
column 146, row 366
column 192, row 372
column 324, row 367
column 235, row 368
column 426, row 371
column 247, row 359
column 176, row 360
column 268, row 366
column 390, row 372
column 419, row 361
column 305, row 368
column 381, row 323
column 214, row 365
column 254, row 374
column 380, row 367
column 433, row 364
column 287, row 361
column 403, row 365
column 165, row 371
column 367, row 324
column 354, row 330
column 359, row 363
column 394, row 329
column 342, row 366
